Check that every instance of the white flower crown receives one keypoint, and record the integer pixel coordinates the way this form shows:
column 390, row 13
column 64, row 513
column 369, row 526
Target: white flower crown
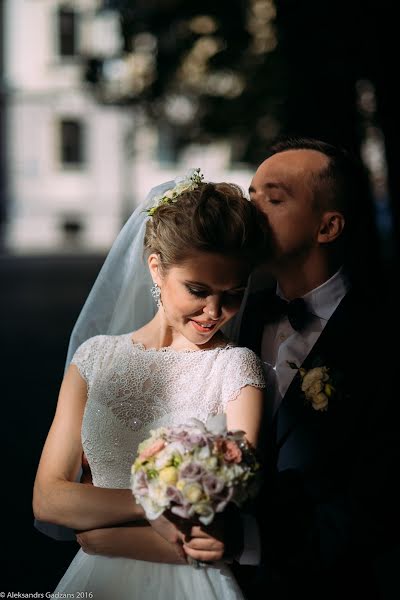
column 188, row 183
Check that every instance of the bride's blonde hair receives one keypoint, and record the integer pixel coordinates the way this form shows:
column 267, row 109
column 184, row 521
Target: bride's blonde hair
column 215, row 218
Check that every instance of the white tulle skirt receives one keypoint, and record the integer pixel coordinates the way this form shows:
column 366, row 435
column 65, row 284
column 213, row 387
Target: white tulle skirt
column 104, row 578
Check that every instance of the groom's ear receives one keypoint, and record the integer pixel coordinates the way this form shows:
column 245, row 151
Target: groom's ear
column 331, row 227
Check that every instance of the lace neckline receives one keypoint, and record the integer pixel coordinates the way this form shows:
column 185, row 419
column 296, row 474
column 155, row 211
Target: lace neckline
column 166, row 349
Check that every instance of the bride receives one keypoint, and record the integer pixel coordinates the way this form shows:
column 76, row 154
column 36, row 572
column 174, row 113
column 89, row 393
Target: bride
column 201, row 241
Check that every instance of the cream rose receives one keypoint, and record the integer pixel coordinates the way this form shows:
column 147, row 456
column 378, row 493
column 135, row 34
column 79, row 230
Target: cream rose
column 320, row 401
column 193, row 492
column 317, row 374
column 169, row 475
column 315, row 388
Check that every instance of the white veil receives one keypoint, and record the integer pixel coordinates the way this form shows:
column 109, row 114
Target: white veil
column 120, row 300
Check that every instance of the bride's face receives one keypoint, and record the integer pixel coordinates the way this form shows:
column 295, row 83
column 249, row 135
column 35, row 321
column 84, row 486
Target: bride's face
column 200, row 295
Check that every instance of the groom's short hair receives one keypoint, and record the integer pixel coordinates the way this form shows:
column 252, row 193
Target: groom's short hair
column 342, row 185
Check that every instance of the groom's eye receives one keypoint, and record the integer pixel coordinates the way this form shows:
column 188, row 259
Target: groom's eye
column 275, row 200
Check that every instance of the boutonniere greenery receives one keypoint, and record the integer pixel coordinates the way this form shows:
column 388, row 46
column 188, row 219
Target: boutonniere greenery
column 317, row 385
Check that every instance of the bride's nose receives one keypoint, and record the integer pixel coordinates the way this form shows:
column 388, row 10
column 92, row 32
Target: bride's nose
column 213, row 307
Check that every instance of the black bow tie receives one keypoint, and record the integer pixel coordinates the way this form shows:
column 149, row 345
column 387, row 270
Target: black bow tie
column 296, row 311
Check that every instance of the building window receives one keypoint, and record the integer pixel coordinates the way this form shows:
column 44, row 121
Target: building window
column 72, row 143
column 67, row 42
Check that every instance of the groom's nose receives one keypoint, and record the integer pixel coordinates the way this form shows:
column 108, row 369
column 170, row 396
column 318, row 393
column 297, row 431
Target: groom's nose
column 260, row 203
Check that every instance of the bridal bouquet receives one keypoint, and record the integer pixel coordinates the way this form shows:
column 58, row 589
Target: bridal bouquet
column 194, row 470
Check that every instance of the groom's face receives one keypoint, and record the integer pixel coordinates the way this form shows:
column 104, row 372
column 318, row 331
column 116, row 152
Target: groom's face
column 283, row 189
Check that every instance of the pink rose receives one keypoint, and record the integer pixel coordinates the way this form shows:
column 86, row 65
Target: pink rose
column 230, row 450
column 152, row 450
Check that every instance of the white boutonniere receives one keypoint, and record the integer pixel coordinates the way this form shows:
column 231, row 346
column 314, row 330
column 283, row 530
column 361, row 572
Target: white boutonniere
column 317, row 385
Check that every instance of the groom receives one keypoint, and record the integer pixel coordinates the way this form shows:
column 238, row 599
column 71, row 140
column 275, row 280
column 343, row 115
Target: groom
column 330, row 445
column 324, row 513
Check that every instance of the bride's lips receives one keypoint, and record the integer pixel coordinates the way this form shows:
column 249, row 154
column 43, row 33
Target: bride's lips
column 201, row 328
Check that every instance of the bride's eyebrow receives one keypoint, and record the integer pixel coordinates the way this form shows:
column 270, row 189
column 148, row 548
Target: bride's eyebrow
column 239, row 287
column 196, row 282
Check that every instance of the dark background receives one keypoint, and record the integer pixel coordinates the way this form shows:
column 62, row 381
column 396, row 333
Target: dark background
column 39, row 303
column 306, row 85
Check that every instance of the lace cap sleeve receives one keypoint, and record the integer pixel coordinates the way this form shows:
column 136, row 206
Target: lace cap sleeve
column 243, row 367
column 87, row 355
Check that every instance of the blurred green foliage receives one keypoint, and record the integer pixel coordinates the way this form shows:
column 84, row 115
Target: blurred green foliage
column 249, row 70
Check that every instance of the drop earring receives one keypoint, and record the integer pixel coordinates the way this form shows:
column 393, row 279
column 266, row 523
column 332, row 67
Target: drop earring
column 156, row 293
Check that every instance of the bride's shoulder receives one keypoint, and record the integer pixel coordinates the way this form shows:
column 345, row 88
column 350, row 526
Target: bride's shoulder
column 240, row 365
column 241, row 353
column 96, row 342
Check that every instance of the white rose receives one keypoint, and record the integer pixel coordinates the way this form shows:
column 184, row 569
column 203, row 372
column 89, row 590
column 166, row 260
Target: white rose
column 315, row 388
column 169, row 194
column 157, row 493
column 313, row 375
column 152, row 510
column 164, row 458
column 203, row 453
column 229, row 474
column 205, row 511
column 157, row 199
column 320, row 401
column 182, row 187
column 190, row 173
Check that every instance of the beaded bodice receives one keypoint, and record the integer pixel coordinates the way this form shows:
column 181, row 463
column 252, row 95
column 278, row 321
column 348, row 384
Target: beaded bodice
column 132, row 390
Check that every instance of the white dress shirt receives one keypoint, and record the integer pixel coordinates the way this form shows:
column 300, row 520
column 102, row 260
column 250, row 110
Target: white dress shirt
column 281, row 343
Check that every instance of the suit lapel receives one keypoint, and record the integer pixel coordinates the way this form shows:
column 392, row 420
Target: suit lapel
column 293, row 406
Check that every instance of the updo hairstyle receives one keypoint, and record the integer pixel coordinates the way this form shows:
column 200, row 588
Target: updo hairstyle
column 215, row 218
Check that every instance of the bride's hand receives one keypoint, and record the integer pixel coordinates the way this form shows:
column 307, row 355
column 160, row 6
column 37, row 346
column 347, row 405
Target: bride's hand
column 206, row 544
column 170, row 528
column 221, row 540
column 197, row 542
column 91, row 541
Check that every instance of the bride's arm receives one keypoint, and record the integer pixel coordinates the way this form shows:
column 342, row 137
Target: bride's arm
column 205, row 544
column 139, row 542
column 57, row 498
column 246, row 413
column 225, row 537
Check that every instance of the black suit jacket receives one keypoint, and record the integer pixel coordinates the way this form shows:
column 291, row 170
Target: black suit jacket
column 328, row 506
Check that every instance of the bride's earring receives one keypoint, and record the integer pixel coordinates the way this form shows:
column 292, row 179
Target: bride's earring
column 156, row 293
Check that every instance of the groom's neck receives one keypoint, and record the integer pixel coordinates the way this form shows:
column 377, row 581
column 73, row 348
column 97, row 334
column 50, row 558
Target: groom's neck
column 296, row 280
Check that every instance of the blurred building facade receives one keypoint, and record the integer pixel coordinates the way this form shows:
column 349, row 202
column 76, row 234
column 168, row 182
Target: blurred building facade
column 76, row 166
column 64, row 151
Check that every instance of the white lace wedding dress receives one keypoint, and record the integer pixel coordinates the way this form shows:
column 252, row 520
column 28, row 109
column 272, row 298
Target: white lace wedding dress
column 130, row 391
